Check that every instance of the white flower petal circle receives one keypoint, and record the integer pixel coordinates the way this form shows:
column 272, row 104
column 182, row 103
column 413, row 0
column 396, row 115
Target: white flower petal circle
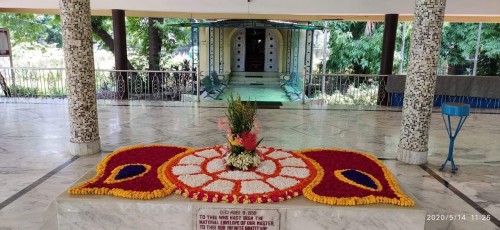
column 281, row 174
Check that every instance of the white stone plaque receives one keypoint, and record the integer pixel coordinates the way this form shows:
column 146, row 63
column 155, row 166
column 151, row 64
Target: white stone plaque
column 237, row 219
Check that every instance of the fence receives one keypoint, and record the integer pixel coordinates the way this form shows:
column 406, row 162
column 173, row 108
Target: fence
column 478, row 91
column 110, row 84
column 342, row 89
column 329, row 89
column 363, row 89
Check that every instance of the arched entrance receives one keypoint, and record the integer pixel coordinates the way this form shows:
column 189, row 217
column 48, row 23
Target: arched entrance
column 255, row 50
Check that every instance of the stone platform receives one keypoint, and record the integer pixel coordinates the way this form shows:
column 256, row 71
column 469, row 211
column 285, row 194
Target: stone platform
column 176, row 212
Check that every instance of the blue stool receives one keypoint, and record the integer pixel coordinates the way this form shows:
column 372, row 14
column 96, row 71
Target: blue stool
column 453, row 109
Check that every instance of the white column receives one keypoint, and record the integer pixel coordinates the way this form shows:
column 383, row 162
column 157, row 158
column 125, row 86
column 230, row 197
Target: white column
column 421, row 81
column 80, row 75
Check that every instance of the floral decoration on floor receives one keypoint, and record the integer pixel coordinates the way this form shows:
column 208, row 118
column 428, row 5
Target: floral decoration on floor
column 346, row 177
column 241, row 172
column 203, row 175
column 132, row 172
column 330, row 176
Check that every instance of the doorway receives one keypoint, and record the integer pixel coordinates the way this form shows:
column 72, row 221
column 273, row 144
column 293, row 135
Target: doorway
column 255, row 50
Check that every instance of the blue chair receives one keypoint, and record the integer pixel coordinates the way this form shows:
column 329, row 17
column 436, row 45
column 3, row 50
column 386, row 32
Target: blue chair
column 450, row 109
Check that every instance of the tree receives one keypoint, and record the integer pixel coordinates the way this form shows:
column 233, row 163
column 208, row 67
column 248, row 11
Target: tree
column 353, row 50
column 155, row 38
column 101, row 27
column 23, row 27
column 398, row 58
column 154, row 45
column 159, row 35
column 4, row 86
column 459, row 46
column 44, row 29
column 29, row 28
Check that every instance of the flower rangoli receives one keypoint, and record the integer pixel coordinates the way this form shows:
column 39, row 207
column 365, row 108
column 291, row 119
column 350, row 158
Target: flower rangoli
column 330, row 176
column 202, row 175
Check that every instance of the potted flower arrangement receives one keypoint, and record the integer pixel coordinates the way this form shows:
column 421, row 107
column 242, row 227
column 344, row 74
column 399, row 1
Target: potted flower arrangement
column 242, row 132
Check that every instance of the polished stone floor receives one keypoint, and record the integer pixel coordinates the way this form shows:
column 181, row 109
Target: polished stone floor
column 35, row 164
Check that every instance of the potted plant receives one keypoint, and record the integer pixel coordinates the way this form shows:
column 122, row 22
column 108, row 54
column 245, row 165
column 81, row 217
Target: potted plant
column 242, row 153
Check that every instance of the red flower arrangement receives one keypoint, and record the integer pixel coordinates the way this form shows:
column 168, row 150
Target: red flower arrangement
column 241, row 134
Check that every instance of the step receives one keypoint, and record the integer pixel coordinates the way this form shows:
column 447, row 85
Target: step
column 262, row 74
column 261, row 85
column 176, row 212
column 251, row 79
column 254, row 81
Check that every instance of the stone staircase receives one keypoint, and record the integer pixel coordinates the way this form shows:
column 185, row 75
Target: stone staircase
column 263, row 79
column 256, row 86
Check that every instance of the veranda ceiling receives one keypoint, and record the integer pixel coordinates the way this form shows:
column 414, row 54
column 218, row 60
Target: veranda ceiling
column 298, row 10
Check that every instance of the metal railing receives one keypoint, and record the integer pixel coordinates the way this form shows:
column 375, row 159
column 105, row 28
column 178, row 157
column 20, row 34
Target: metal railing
column 328, row 89
column 34, row 82
column 342, row 89
column 110, row 84
column 145, row 85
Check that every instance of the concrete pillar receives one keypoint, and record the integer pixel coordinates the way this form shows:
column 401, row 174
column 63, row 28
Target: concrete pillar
column 421, row 81
column 80, row 76
column 203, row 36
column 387, row 57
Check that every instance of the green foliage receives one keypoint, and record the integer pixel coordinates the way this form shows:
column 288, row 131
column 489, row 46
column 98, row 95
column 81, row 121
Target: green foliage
column 52, row 31
column 41, row 30
column 353, row 50
column 104, row 24
column 459, row 44
column 240, row 116
column 26, row 91
column 171, row 37
column 57, row 92
column 32, row 28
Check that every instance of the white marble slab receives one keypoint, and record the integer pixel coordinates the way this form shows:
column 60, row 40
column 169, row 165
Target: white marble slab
column 175, row 212
column 34, row 139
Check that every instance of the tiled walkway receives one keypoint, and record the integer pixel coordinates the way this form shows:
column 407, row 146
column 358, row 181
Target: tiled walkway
column 36, row 167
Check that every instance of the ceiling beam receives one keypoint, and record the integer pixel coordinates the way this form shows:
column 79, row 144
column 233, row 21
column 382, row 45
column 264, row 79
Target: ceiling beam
column 292, row 17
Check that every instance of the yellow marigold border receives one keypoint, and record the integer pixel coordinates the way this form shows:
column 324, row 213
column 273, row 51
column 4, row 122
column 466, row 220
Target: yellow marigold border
column 225, row 198
column 340, row 176
column 167, row 190
column 402, row 200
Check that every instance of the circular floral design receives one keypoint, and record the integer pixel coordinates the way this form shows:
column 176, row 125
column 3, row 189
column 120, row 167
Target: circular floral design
column 202, row 175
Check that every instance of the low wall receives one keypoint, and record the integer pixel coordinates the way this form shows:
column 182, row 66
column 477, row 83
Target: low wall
column 478, row 91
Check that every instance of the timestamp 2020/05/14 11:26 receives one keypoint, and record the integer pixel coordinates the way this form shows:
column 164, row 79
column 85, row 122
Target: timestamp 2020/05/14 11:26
column 446, row 217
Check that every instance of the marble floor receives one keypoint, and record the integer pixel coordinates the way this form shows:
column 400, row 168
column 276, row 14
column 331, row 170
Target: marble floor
column 35, row 164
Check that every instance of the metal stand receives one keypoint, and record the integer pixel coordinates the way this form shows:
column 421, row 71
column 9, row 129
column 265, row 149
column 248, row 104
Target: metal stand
column 448, row 110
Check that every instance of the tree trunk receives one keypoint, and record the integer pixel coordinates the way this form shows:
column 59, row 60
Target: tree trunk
column 4, row 86
column 154, row 43
column 154, row 48
column 107, row 39
column 456, row 70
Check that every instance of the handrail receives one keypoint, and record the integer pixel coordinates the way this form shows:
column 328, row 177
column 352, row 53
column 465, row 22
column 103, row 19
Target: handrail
column 110, row 84
column 104, row 70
